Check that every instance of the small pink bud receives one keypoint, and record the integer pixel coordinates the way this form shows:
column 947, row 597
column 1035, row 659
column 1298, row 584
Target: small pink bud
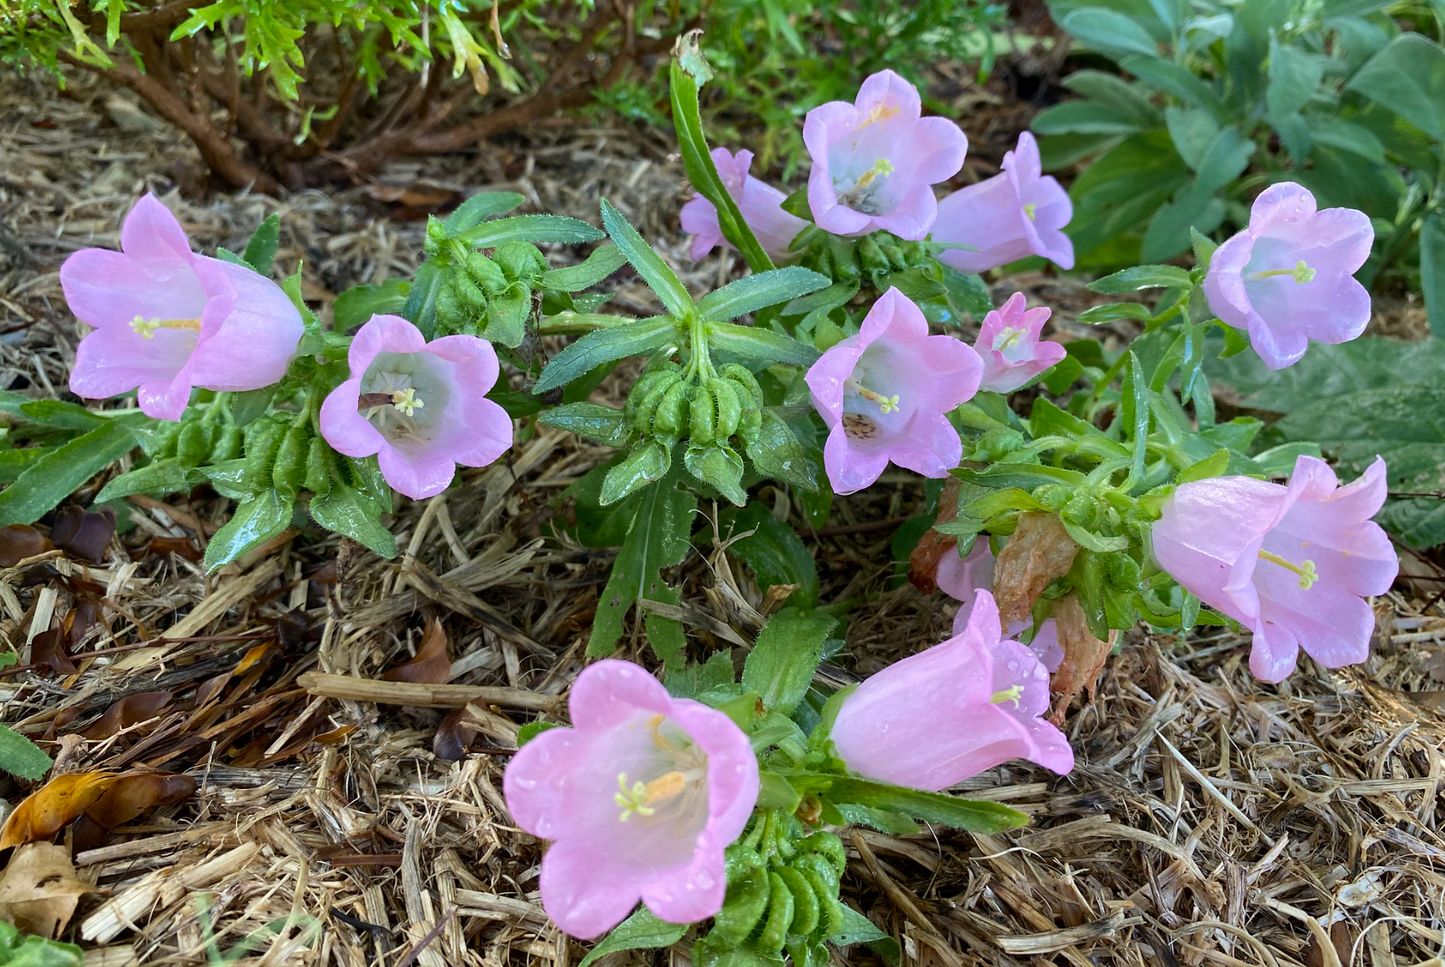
column 1012, row 348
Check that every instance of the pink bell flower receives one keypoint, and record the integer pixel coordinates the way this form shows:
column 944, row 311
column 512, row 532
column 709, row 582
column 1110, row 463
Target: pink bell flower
column 167, row 320
column 884, row 394
column 1010, row 344
column 1289, row 277
column 953, row 711
column 1016, row 213
column 962, row 578
column 875, row 161
column 760, row 203
column 420, row 406
column 640, row 797
column 1292, row 563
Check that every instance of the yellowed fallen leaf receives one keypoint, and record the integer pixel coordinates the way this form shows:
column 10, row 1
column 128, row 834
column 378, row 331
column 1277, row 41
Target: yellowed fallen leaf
column 39, row 890
column 1084, row 655
column 53, row 806
column 1039, row 551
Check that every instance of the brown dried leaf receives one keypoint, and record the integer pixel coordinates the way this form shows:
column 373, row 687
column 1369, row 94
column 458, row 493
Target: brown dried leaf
column 82, row 534
column 1039, row 551
column 431, row 666
column 48, row 653
column 48, row 809
column 923, row 562
column 125, row 712
column 19, row 541
column 1084, row 655
column 185, row 547
column 454, row 736
column 135, row 792
column 39, row 890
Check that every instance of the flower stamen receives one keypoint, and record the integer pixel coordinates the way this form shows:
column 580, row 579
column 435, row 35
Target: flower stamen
column 632, row 799
column 886, row 404
column 406, row 401
column 1031, row 210
column 1305, row 569
column 1301, row 273
column 146, row 328
column 881, row 112
column 1007, row 336
column 1008, row 695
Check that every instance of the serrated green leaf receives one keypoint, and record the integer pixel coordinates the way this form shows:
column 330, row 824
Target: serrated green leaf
column 720, row 468
column 261, row 249
column 639, row 338
column 753, row 342
column 604, row 260
column 932, row 807
column 590, row 421
column 778, row 453
column 156, row 479
column 60, row 472
column 781, row 665
column 641, row 931
column 254, row 523
column 478, row 208
column 658, row 275
column 352, row 514
column 358, row 304
column 760, row 291
column 21, row 757
column 647, row 462
column 558, row 229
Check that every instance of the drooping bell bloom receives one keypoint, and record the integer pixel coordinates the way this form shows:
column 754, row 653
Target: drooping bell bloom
column 760, row 203
column 168, row 320
column 875, row 161
column 884, row 392
column 949, row 713
column 1289, row 276
column 1016, row 213
column 1011, row 345
column 420, row 406
column 1292, row 563
column 962, row 578
column 640, row 796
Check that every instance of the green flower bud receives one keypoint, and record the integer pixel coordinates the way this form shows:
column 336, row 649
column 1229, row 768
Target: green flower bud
column 485, row 273
column 672, row 411
column 729, row 397
column 320, row 466
column 646, row 394
column 702, row 415
column 1052, row 496
column 263, row 436
column 1082, row 510
column 805, row 902
column 871, row 255
column 228, row 444
column 1121, row 571
column 289, row 469
column 780, row 915
column 520, row 261
column 744, row 377
column 193, row 445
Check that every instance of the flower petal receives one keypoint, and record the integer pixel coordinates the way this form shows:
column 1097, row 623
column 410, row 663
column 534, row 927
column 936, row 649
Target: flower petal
column 611, row 691
column 584, row 891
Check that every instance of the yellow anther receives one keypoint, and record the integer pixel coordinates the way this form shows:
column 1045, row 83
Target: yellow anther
column 881, row 112
column 406, row 401
column 1006, row 337
column 1008, row 695
column 881, row 168
column 886, row 404
column 1305, row 569
column 1030, row 210
column 664, row 786
column 146, row 328
column 632, row 799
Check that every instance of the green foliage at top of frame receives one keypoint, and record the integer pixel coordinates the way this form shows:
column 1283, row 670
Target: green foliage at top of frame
column 270, row 35
column 1209, row 101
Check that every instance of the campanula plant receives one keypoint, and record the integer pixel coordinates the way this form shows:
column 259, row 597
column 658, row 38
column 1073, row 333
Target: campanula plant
column 1087, row 491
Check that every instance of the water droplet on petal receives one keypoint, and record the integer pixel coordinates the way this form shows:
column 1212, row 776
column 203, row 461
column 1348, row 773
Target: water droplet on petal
column 1013, row 664
column 525, row 783
column 625, row 671
column 704, row 881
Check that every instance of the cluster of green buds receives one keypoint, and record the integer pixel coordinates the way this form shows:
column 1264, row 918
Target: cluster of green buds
column 489, row 296
column 783, row 882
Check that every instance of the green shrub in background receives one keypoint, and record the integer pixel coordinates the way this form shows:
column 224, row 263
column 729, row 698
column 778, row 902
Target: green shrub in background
column 1212, row 100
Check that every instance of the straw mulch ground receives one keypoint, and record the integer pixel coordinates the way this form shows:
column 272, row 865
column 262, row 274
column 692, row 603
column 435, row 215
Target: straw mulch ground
column 1210, row 820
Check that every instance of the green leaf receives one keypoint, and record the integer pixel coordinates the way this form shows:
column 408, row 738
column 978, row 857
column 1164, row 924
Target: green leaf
column 353, row 514
column 21, row 950
column 647, row 462
column 1432, row 272
column 1084, row 117
column 838, row 294
column 1329, row 371
column 1191, row 130
column 1134, row 411
column 1142, row 277
column 358, row 304
column 781, row 665
column 967, row 294
column 558, row 229
column 719, row 467
column 856, row 928
column 760, row 291
column 688, row 72
column 421, row 301
column 657, row 538
column 478, row 208
column 699, row 679
column 778, row 453
column 156, row 479
column 60, row 472
column 658, row 275
column 589, row 421
column 21, row 757
column 977, row 816
column 254, row 523
column 59, row 414
column 261, row 249
column 1116, row 312
column 775, row 554
column 604, row 260
column 1211, row 466
column 641, row 931
column 1294, row 77
column 533, row 729
column 754, row 342
column 1408, row 78
column 1176, row 80
column 1109, row 32
column 595, row 349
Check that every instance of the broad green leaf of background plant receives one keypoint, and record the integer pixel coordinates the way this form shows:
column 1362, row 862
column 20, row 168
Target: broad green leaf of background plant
column 19, row 950
column 1408, row 77
column 641, row 931
column 52, row 478
column 1432, row 272
column 774, row 553
column 780, row 667
column 1109, row 32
